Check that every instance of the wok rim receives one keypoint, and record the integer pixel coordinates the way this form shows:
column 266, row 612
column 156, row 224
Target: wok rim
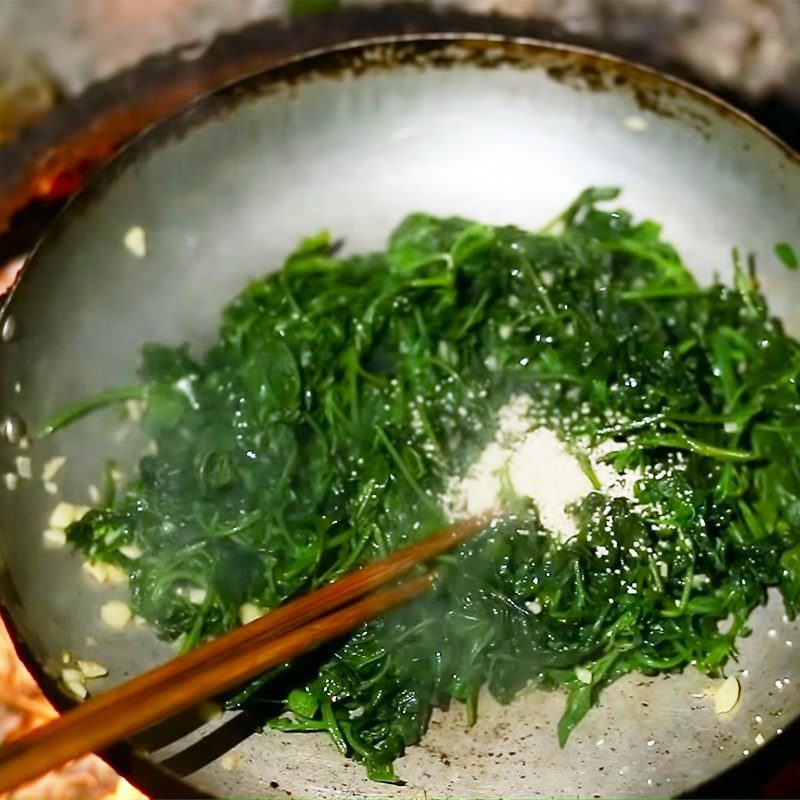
column 144, row 773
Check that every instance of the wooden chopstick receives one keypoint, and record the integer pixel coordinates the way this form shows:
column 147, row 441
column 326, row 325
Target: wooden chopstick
column 215, row 667
column 86, row 728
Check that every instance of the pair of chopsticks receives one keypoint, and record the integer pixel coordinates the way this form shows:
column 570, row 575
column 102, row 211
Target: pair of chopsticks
column 221, row 664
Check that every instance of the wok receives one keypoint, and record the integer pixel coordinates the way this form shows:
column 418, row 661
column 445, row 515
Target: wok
column 352, row 139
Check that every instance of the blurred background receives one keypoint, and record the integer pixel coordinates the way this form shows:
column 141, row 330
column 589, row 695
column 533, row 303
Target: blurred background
column 79, row 78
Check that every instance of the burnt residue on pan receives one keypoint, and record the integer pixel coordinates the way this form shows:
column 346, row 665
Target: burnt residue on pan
column 580, row 68
column 55, row 158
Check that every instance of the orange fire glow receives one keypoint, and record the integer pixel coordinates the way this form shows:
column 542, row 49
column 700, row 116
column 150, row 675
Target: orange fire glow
column 7, row 273
column 22, row 708
column 125, row 791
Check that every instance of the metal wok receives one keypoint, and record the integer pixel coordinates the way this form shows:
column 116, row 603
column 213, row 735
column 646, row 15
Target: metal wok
column 352, row 139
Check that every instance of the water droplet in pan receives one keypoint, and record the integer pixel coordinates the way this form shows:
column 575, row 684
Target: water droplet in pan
column 9, row 329
column 12, row 428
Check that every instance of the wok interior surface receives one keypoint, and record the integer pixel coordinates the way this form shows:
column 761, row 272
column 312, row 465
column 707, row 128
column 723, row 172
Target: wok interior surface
column 352, row 141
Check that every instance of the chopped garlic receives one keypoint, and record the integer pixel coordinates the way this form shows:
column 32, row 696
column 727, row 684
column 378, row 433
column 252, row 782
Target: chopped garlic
column 136, row 241
column 726, row 695
column 130, row 551
column 134, row 409
column 23, row 465
column 94, row 495
column 54, row 538
column 91, row 669
column 52, row 467
column 11, row 480
column 249, row 612
column 230, row 761
column 583, row 675
column 115, row 575
column 64, row 514
column 534, row 606
column 104, row 573
column 51, row 487
column 96, row 571
column 76, row 689
column 196, row 596
column 75, row 682
column 760, row 739
column 115, row 613
column 635, row 123
column 122, row 433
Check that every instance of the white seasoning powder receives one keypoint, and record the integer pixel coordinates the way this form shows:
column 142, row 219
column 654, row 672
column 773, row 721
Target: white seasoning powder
column 538, row 465
column 613, row 483
column 479, row 490
column 541, row 468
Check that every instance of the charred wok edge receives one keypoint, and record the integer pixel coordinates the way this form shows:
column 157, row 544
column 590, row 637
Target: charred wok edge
column 52, row 159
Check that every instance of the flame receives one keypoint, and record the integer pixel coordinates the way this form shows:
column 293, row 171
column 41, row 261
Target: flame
column 125, row 791
column 8, row 272
column 22, row 708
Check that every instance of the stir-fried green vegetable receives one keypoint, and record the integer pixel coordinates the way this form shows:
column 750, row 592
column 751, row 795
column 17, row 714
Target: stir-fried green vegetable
column 322, row 428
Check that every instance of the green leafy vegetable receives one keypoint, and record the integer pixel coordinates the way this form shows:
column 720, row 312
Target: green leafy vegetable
column 786, row 253
column 321, row 430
